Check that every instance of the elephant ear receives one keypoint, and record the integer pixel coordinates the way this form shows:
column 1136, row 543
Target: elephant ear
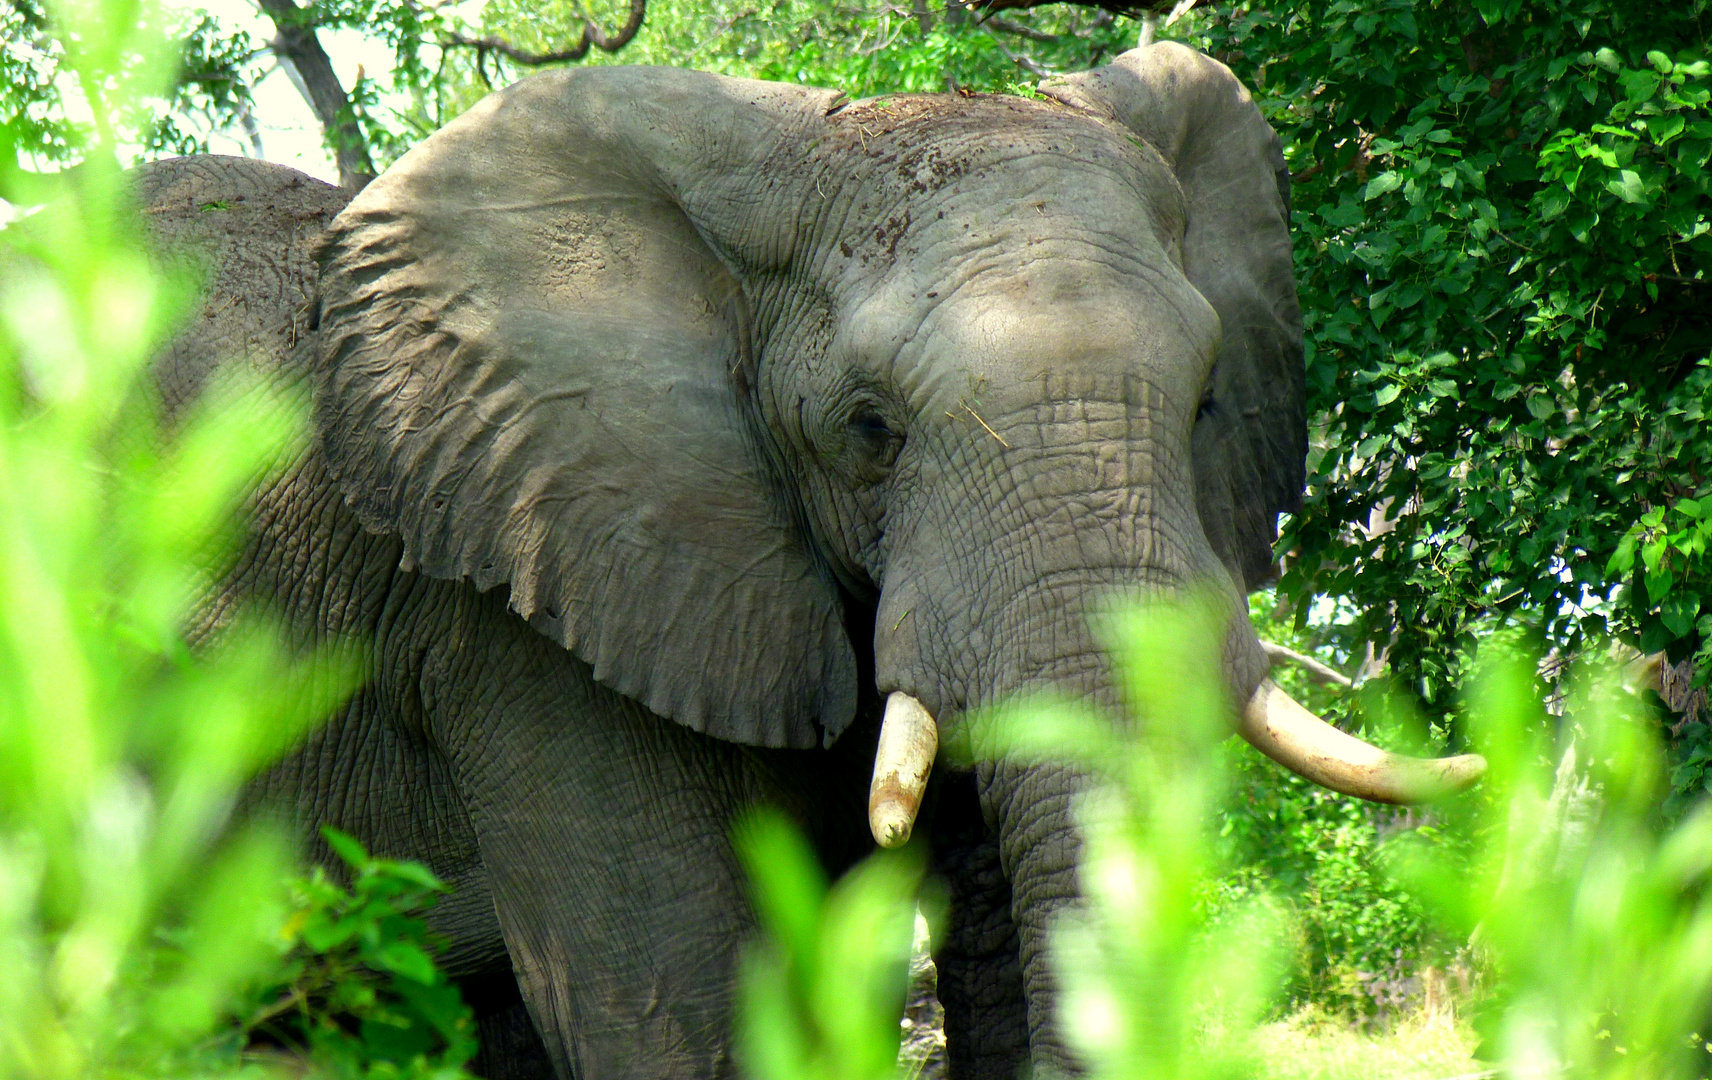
column 1250, row 443
column 533, row 369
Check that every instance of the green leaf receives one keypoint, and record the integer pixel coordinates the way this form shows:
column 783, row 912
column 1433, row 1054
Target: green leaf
column 1658, row 584
column 406, row 959
column 412, row 872
column 1493, row 12
column 1660, row 60
column 1387, row 394
column 324, row 935
column 1678, row 613
column 1638, row 85
column 1623, row 558
column 1541, row 406
column 1627, row 187
column 347, row 847
column 1379, row 185
column 1664, row 128
column 1406, row 295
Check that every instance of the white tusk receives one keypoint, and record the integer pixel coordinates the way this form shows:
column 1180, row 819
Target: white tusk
column 1306, row 745
column 908, row 741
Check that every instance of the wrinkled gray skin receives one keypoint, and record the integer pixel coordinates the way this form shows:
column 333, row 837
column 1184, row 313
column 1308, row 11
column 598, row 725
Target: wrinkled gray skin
column 666, row 422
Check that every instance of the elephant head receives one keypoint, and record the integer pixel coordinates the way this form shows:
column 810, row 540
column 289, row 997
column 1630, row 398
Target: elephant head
column 755, row 399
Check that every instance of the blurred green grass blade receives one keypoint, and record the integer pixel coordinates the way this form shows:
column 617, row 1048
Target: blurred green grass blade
column 788, row 886
column 822, row 990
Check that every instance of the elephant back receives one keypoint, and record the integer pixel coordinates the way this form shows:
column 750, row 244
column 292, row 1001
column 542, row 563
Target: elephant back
column 247, row 229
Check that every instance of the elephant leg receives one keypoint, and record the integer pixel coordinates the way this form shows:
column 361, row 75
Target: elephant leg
column 368, row 772
column 980, row 970
column 604, row 832
column 510, row 1047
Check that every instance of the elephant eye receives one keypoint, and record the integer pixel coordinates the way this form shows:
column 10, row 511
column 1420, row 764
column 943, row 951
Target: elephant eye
column 875, row 443
column 871, row 425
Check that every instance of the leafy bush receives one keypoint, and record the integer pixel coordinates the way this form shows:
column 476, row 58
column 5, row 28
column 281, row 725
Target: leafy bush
column 1504, row 256
column 359, row 992
column 121, row 752
column 137, row 918
column 1359, row 937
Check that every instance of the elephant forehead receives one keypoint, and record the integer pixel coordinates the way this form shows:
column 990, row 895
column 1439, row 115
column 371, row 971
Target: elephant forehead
column 1013, row 331
column 1006, row 323
column 920, row 180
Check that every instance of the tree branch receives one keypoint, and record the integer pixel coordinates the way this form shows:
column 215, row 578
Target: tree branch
column 1019, row 60
column 295, row 43
column 593, row 37
column 1315, row 670
column 1018, row 29
column 1133, row 10
column 1677, row 279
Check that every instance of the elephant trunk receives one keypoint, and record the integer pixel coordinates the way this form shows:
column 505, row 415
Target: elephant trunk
column 1032, row 807
column 994, row 588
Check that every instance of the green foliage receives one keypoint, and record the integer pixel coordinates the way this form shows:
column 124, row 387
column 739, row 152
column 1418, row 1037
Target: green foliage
column 1674, row 546
column 1589, row 917
column 360, row 993
column 204, row 89
column 821, row 994
column 1359, row 938
column 132, row 910
column 862, row 48
column 1595, row 918
column 1506, row 273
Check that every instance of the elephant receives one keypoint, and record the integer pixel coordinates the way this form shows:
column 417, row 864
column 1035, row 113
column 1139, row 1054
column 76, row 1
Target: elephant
column 683, row 443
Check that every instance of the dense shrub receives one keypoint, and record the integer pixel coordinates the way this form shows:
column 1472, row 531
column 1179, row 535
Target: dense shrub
column 358, row 993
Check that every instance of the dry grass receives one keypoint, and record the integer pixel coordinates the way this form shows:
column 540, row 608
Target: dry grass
column 1312, row 1046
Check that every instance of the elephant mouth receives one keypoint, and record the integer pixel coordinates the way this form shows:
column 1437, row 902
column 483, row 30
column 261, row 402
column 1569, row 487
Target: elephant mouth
column 1272, row 722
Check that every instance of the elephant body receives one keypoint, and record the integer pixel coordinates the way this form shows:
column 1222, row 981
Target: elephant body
column 665, row 423
column 557, row 790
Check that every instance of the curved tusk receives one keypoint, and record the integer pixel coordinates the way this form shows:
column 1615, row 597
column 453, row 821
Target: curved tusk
column 1306, row 745
column 908, row 741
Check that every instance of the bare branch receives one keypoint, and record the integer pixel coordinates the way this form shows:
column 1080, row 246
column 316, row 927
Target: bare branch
column 593, row 37
column 1315, row 670
column 1133, row 9
column 1677, row 279
column 1015, row 58
column 1018, row 29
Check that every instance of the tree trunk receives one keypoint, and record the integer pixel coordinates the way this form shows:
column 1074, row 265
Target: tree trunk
column 295, row 44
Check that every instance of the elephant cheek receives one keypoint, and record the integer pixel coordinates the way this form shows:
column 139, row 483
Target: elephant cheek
column 901, row 660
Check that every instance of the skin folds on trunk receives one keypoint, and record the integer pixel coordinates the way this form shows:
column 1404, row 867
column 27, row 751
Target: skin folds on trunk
column 1012, row 614
column 981, row 617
